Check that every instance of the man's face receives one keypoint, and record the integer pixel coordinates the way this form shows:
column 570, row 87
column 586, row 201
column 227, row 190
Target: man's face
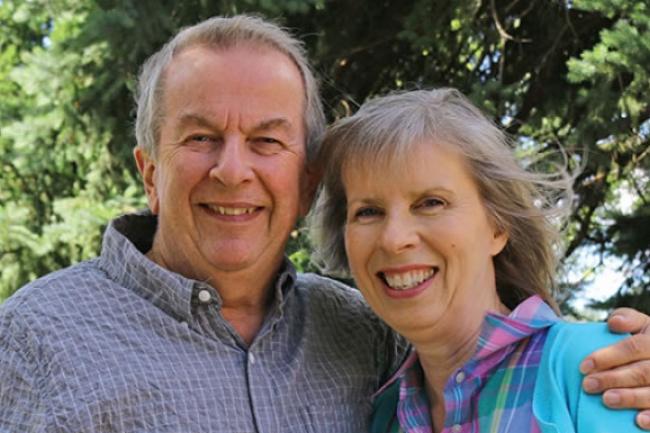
column 227, row 181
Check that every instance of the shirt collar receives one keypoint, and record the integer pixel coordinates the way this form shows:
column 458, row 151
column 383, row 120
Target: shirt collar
column 497, row 332
column 498, row 338
column 500, row 331
column 126, row 241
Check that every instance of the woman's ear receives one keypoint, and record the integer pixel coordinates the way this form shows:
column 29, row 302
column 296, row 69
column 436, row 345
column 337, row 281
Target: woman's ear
column 499, row 241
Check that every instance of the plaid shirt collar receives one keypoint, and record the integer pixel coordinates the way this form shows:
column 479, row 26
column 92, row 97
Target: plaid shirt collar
column 507, row 345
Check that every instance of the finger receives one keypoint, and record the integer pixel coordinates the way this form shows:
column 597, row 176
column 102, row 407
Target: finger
column 628, row 320
column 643, row 419
column 629, row 350
column 627, row 398
column 629, row 376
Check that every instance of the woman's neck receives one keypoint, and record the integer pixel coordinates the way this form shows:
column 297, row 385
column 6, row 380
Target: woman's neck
column 447, row 348
column 439, row 362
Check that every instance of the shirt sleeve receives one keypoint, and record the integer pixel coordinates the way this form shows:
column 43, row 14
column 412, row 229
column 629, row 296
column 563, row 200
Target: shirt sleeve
column 21, row 399
column 559, row 403
column 392, row 353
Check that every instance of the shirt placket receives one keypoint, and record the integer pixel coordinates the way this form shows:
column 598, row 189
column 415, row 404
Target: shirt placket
column 460, row 389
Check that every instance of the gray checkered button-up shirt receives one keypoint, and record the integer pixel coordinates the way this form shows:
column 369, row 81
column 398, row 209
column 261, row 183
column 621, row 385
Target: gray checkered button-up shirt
column 119, row 344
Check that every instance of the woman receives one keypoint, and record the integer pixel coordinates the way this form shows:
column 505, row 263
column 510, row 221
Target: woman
column 449, row 240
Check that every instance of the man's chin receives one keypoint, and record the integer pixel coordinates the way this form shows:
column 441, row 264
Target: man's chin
column 232, row 260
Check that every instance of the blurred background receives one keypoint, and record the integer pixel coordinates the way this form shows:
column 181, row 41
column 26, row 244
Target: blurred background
column 572, row 74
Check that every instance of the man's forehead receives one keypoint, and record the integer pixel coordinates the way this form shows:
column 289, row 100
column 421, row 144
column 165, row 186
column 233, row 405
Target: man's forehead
column 255, row 48
column 240, row 65
column 193, row 118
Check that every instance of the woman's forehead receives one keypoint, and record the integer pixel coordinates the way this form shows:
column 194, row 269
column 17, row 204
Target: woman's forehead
column 392, row 156
column 428, row 165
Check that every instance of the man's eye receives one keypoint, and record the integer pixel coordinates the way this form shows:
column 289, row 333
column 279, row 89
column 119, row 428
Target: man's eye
column 201, row 142
column 201, row 139
column 267, row 145
column 430, row 203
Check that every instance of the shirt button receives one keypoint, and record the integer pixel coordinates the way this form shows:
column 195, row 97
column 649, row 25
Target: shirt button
column 184, row 324
column 251, row 358
column 460, row 377
column 456, row 428
column 204, row 296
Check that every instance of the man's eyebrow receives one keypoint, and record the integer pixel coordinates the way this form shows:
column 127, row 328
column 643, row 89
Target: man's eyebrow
column 195, row 119
column 279, row 122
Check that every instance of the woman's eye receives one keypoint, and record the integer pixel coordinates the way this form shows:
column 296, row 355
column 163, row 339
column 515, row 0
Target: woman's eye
column 366, row 214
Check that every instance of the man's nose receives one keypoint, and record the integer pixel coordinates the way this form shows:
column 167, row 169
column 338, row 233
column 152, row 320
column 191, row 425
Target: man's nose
column 399, row 234
column 233, row 165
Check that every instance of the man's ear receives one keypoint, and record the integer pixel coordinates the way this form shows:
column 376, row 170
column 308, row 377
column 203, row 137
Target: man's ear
column 308, row 186
column 147, row 168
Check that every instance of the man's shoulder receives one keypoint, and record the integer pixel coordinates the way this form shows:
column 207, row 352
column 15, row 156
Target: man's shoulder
column 326, row 289
column 67, row 284
column 334, row 302
column 343, row 319
column 45, row 310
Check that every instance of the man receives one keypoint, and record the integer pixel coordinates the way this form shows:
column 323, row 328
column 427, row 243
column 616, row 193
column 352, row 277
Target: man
column 191, row 319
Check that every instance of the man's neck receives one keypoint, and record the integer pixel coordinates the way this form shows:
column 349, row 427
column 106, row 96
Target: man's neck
column 247, row 322
column 246, row 296
column 245, row 301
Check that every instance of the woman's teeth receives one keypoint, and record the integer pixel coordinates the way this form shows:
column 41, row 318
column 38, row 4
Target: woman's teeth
column 407, row 280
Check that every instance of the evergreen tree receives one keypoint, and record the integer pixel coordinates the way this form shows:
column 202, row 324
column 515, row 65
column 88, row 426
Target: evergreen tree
column 569, row 74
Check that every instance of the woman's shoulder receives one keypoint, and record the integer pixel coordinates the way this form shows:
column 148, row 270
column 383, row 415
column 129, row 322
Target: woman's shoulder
column 568, row 341
column 559, row 403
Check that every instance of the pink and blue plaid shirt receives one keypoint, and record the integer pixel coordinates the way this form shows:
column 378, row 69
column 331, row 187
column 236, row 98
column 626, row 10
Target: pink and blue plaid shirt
column 491, row 393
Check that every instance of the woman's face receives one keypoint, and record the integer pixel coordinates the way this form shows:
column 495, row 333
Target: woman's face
column 418, row 238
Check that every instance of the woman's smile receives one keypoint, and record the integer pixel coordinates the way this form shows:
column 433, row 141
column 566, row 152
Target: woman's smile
column 420, row 243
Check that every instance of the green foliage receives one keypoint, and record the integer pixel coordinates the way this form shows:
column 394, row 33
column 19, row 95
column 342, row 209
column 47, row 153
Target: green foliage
column 59, row 184
column 551, row 74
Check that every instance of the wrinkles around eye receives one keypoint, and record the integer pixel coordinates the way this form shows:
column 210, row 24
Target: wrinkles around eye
column 268, row 145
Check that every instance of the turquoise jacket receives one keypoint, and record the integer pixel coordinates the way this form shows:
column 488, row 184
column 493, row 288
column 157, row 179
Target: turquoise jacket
column 559, row 403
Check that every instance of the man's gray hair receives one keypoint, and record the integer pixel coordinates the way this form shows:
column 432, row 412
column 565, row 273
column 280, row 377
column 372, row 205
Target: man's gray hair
column 223, row 32
column 519, row 201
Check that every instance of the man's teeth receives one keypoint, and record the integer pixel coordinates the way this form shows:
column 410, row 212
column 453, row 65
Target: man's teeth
column 231, row 211
column 407, row 280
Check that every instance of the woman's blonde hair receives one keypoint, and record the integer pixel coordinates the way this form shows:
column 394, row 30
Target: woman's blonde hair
column 519, row 201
